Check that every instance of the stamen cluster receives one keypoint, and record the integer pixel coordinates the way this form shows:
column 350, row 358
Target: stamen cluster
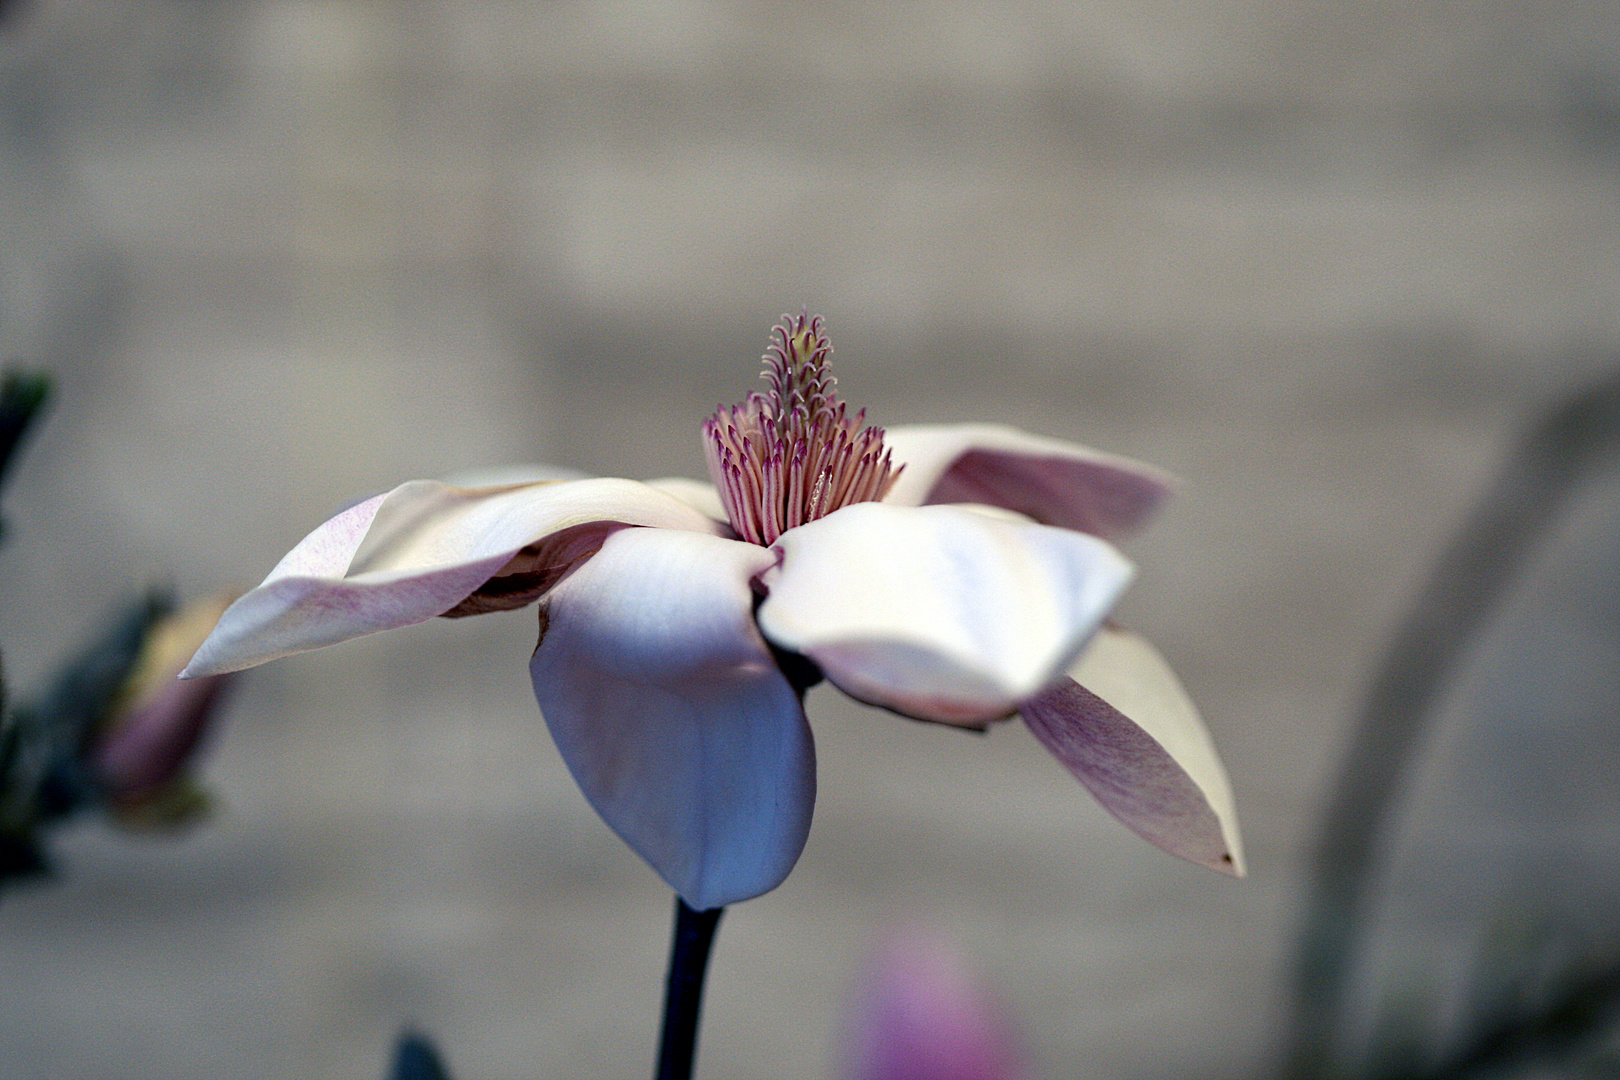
column 794, row 453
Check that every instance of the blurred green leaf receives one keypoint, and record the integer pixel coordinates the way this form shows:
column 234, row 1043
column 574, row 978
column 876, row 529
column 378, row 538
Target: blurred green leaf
column 40, row 743
column 416, row 1058
column 1539, row 1004
column 22, row 396
column 86, row 688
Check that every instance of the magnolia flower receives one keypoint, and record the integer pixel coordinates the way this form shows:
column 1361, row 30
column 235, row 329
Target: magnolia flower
column 956, row 574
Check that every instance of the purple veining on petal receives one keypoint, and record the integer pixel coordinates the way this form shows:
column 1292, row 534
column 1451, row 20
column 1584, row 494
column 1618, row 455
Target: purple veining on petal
column 424, row 549
column 295, row 614
column 1127, row 771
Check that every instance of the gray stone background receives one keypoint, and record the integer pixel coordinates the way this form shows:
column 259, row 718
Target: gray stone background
column 1321, row 259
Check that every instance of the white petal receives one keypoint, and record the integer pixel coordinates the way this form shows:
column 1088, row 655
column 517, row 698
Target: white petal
column 938, row 612
column 1052, row 481
column 670, row 711
column 423, row 549
column 695, row 493
column 1126, row 729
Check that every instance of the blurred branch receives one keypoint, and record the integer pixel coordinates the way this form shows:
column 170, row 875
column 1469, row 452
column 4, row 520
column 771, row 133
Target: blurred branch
column 1519, row 507
column 1591, row 106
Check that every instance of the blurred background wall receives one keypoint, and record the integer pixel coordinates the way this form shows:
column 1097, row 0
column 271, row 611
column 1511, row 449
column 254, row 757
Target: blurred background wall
column 1320, row 259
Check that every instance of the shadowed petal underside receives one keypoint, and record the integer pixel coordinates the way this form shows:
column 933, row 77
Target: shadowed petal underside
column 672, row 714
column 423, row 549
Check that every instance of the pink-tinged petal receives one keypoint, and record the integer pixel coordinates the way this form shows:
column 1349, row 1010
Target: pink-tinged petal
column 1049, row 480
column 427, row 549
column 938, row 612
column 1132, row 736
column 671, row 713
column 921, row 1012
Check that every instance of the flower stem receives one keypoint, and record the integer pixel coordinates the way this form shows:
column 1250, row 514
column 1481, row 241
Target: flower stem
column 683, row 990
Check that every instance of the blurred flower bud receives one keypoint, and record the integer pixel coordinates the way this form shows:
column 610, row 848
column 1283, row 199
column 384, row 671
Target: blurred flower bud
column 138, row 758
column 922, row 1013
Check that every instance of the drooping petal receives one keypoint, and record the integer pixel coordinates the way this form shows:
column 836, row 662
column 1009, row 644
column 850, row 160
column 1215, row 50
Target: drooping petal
column 938, row 612
column 1126, row 729
column 671, row 713
column 424, row 549
column 1049, row 480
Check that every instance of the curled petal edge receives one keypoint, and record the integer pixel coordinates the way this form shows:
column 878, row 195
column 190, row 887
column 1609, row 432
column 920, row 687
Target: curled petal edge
column 427, row 549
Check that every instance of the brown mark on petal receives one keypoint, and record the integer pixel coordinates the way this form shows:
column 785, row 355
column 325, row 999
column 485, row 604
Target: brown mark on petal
column 536, row 570
column 794, row 453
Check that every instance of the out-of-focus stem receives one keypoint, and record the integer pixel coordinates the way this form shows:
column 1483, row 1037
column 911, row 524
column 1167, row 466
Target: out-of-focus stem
column 1517, row 511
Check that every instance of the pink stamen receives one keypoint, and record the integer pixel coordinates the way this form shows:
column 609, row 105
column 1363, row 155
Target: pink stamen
column 792, row 454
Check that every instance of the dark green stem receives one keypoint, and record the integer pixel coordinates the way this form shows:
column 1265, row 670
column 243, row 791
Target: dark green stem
column 683, row 990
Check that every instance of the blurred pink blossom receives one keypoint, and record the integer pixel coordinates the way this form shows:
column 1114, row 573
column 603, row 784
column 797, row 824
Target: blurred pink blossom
column 922, row 1012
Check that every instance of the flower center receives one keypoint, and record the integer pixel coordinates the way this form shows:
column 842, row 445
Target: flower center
column 793, row 453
